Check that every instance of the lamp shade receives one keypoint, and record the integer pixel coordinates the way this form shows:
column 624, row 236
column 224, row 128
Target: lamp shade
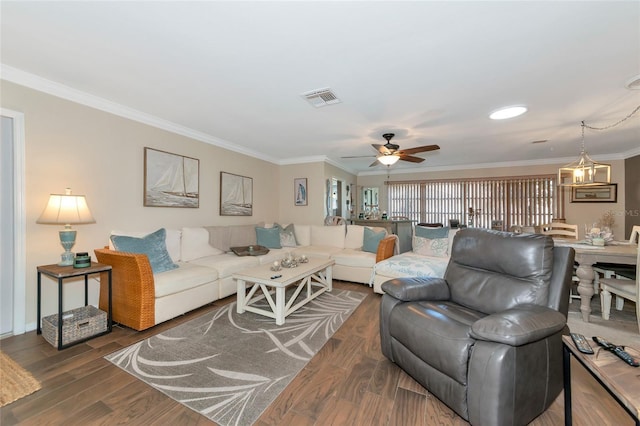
column 66, row 209
column 388, row 160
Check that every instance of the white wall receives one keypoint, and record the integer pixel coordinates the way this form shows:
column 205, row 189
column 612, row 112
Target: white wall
column 102, row 156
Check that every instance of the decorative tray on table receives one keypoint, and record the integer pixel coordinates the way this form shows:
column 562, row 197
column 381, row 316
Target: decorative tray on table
column 250, row 250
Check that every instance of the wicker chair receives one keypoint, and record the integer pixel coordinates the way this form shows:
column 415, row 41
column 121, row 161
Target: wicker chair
column 133, row 304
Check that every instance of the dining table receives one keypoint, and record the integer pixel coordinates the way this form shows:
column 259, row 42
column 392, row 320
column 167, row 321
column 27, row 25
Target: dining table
column 620, row 252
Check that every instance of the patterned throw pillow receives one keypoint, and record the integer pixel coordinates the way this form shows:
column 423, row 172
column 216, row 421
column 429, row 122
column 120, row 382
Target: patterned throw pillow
column 153, row 245
column 437, row 247
column 287, row 235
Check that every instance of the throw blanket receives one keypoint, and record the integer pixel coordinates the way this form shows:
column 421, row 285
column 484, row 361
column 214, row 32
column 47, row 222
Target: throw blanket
column 410, row 264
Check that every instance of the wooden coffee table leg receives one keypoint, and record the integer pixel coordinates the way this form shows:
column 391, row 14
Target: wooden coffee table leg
column 241, row 300
column 280, row 305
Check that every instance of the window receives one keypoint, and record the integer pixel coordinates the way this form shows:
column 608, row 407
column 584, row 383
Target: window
column 525, row 201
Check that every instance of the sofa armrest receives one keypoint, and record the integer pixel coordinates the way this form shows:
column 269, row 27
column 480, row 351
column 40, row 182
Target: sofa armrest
column 519, row 326
column 133, row 288
column 419, row 288
column 385, row 248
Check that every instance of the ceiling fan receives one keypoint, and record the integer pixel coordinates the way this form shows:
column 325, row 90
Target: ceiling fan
column 390, row 153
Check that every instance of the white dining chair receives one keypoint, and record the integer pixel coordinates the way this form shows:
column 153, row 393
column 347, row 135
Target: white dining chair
column 612, row 270
column 623, row 289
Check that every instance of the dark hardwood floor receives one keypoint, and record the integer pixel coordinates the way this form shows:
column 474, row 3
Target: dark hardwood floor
column 349, row 382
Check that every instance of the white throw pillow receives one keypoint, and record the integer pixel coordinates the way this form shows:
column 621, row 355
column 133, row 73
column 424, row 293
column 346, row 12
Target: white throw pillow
column 355, row 235
column 437, row 247
column 195, row 244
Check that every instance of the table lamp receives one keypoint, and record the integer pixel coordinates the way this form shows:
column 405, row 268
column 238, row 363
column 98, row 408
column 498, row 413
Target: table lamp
column 66, row 209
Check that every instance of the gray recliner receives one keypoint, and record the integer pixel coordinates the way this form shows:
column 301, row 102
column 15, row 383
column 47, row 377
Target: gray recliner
column 486, row 338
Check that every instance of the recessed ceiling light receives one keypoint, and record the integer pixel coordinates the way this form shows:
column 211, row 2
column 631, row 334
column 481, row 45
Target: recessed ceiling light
column 633, row 83
column 508, row 112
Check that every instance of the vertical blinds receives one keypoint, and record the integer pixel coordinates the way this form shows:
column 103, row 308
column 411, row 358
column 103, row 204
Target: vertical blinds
column 495, row 202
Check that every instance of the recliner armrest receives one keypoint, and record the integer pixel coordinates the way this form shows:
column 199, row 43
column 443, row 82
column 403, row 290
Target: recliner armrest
column 419, row 288
column 519, row 326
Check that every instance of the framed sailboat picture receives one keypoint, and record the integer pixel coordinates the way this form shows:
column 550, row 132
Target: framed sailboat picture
column 236, row 195
column 300, row 191
column 170, row 180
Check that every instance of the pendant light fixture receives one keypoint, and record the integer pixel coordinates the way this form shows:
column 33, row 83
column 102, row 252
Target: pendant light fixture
column 585, row 171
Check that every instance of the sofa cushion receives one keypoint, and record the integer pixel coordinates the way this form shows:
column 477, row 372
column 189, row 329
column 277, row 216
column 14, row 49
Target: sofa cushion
column 195, row 244
column 183, row 278
column 225, row 237
column 303, row 234
column 153, row 245
column 371, row 240
column 354, row 258
column 228, row 263
column 431, row 247
column 268, row 237
column 329, row 236
column 173, row 240
column 317, row 251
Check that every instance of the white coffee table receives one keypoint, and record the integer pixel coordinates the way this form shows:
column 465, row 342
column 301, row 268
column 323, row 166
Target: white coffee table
column 314, row 277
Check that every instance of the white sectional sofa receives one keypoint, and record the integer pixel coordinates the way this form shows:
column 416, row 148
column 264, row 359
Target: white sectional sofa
column 205, row 265
column 413, row 263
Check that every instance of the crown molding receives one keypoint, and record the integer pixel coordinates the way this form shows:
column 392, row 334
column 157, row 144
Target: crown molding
column 32, row 81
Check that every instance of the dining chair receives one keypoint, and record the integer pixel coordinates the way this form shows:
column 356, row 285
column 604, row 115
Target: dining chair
column 560, row 230
column 613, row 270
column 567, row 231
column 623, row 289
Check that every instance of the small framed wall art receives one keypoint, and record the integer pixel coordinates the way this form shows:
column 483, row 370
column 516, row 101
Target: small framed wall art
column 595, row 194
column 170, row 180
column 236, row 195
column 300, row 191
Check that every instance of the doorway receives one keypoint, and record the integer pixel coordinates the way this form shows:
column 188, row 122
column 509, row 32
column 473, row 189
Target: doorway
column 12, row 225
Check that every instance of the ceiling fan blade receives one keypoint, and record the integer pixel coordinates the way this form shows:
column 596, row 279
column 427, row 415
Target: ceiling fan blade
column 418, row 149
column 411, row 158
column 375, row 163
column 381, row 149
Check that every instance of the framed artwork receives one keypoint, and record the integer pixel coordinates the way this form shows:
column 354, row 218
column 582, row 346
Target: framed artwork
column 236, row 195
column 595, row 194
column 300, row 191
column 170, row 180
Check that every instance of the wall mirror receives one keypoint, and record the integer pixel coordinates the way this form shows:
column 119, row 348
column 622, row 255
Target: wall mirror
column 369, row 199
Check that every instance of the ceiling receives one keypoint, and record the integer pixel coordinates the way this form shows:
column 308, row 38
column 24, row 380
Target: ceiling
column 232, row 74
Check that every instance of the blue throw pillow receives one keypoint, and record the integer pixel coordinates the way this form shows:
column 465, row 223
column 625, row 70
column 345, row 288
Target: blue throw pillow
column 153, row 245
column 371, row 240
column 268, row 237
column 432, row 233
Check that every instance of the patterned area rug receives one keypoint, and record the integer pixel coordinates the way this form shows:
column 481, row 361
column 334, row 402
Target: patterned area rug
column 229, row 367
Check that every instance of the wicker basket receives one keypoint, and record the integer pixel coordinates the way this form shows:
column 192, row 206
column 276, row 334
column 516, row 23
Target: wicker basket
column 77, row 324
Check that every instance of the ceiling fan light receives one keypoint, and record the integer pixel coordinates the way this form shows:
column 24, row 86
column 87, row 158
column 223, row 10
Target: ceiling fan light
column 508, row 112
column 388, row 160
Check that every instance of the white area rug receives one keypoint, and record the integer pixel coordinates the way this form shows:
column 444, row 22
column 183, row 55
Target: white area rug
column 229, row 367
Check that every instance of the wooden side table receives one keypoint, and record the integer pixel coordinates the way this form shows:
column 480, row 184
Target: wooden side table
column 619, row 379
column 60, row 273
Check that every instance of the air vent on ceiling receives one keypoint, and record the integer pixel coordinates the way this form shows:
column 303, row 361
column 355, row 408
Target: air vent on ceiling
column 321, row 97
